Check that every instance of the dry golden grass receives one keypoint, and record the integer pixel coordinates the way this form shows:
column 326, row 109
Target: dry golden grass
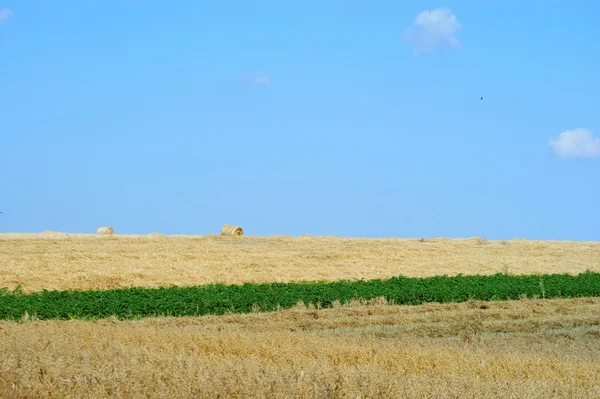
column 520, row 349
column 62, row 261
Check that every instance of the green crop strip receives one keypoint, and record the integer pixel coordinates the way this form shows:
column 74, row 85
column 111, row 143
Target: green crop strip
column 218, row 299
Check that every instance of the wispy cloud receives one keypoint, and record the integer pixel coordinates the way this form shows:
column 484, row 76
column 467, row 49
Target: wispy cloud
column 260, row 81
column 256, row 80
column 576, row 143
column 432, row 30
column 5, row 14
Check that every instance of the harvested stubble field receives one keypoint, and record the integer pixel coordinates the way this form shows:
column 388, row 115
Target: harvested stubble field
column 526, row 349
column 57, row 261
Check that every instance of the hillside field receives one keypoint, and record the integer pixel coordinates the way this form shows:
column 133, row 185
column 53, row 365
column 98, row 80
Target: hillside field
column 57, row 261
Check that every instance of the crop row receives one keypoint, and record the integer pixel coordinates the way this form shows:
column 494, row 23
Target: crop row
column 218, row 299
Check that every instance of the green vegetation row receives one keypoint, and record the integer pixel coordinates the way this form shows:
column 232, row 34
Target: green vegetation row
column 218, row 299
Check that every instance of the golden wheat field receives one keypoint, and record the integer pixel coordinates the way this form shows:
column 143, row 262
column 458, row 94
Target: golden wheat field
column 71, row 261
column 520, row 349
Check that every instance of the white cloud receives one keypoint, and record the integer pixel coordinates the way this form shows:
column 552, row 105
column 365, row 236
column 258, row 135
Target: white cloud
column 260, row 81
column 433, row 29
column 256, row 80
column 576, row 143
column 5, row 14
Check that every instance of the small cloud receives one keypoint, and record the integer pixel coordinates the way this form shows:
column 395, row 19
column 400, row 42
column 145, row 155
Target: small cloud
column 576, row 143
column 433, row 29
column 260, row 81
column 257, row 80
column 5, row 14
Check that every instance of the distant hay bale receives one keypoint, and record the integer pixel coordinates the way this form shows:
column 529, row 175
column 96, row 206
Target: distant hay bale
column 230, row 230
column 54, row 234
column 106, row 231
column 480, row 240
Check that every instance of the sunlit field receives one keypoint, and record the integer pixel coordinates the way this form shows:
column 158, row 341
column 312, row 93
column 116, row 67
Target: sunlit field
column 58, row 261
column 533, row 348
column 519, row 349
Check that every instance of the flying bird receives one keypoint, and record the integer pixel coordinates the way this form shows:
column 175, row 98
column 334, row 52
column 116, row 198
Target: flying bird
column 482, row 98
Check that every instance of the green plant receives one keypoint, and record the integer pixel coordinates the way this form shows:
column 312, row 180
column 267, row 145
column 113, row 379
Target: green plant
column 131, row 303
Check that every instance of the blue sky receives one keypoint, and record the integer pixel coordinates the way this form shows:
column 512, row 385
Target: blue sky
column 347, row 118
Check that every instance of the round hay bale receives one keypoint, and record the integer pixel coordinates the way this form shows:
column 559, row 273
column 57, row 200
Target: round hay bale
column 106, row 231
column 51, row 233
column 230, row 230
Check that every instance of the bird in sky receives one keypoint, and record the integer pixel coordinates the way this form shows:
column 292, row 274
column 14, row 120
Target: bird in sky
column 482, row 98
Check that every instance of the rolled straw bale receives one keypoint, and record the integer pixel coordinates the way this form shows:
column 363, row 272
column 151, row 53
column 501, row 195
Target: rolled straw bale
column 54, row 234
column 230, row 230
column 106, row 231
